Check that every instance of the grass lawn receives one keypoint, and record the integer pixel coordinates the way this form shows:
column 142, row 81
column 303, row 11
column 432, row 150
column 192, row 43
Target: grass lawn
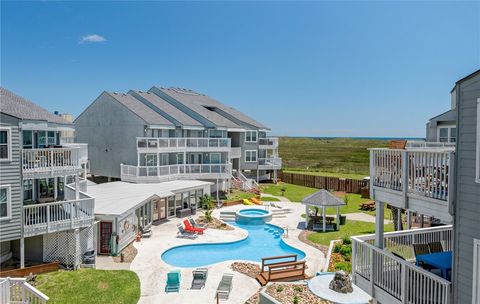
column 90, row 286
column 351, row 228
column 293, row 192
column 329, row 174
column 334, row 155
column 238, row 195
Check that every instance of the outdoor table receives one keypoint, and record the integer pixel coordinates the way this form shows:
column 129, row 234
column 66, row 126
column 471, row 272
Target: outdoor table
column 440, row 260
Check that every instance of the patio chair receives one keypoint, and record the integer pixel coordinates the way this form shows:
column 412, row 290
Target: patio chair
column 195, row 224
column 225, row 286
column 435, row 247
column 199, row 278
column 420, row 249
column 146, row 231
column 182, row 233
column 173, row 281
column 190, row 228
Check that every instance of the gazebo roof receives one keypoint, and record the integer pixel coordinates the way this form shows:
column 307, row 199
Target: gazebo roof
column 323, row 198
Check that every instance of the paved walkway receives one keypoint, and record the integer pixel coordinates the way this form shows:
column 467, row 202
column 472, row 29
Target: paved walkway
column 364, row 217
column 152, row 271
column 281, row 198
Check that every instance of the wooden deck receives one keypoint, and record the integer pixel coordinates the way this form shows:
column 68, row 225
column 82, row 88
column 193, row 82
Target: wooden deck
column 281, row 271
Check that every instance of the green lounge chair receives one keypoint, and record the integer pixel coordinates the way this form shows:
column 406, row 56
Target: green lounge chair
column 173, row 281
column 225, row 286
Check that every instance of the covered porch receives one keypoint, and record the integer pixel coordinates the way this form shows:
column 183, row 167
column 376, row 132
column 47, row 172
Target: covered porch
column 322, row 199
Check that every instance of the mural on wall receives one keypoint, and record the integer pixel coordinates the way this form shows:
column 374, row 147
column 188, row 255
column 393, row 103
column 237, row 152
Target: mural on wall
column 127, row 228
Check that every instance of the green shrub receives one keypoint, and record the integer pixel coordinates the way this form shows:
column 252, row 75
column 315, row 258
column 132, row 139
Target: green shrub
column 298, row 288
column 295, row 299
column 337, row 248
column 346, row 250
column 279, row 288
column 346, row 240
column 345, row 266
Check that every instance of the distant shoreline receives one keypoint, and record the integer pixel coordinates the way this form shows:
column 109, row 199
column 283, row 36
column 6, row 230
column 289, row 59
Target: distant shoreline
column 359, row 137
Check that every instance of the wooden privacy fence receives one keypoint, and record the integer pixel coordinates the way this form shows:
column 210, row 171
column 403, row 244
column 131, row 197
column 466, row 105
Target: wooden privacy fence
column 324, row 182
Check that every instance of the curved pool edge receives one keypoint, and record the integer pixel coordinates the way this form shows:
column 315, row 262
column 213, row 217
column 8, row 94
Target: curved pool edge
column 224, row 243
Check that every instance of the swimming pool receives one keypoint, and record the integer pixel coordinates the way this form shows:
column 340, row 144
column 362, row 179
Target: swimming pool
column 253, row 216
column 263, row 241
column 254, row 212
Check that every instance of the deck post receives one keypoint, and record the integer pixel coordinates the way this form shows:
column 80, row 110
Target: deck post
column 323, row 217
column 307, row 216
column 22, row 252
column 379, row 224
column 338, row 218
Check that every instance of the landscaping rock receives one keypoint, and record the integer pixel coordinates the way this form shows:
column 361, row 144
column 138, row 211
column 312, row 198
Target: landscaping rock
column 341, row 282
column 214, row 224
column 249, row 269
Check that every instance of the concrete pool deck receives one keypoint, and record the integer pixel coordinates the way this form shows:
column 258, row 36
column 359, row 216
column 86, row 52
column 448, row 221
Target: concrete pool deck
column 152, row 271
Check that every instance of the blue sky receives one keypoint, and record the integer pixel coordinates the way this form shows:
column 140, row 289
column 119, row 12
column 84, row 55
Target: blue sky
column 304, row 69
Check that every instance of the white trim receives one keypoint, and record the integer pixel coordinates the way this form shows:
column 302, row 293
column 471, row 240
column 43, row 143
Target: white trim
column 476, row 272
column 9, row 202
column 236, row 130
column 477, row 172
column 256, row 156
column 161, row 127
column 256, row 136
column 9, row 144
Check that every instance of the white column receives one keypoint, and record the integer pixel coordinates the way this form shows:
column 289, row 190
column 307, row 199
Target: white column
column 379, row 224
column 409, row 220
column 55, row 188
column 77, row 193
column 324, row 223
column 22, row 252
column 307, row 215
column 338, row 218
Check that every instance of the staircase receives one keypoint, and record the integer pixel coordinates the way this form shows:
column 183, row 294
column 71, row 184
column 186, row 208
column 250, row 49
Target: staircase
column 280, row 213
column 227, row 216
column 241, row 182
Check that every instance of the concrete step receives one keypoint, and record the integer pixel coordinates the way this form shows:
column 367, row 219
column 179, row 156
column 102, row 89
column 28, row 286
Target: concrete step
column 279, row 216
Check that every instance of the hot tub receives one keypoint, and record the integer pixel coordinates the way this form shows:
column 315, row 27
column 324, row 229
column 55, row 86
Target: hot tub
column 253, row 216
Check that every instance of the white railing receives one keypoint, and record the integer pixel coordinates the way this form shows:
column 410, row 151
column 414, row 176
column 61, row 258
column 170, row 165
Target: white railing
column 268, row 142
column 423, row 172
column 270, row 163
column 236, row 152
column 50, row 161
column 82, row 151
column 427, row 144
column 58, row 216
column 183, row 143
column 247, row 183
column 402, row 281
column 17, row 290
column 181, row 171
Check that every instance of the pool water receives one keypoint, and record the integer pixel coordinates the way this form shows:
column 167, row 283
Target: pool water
column 253, row 212
column 263, row 241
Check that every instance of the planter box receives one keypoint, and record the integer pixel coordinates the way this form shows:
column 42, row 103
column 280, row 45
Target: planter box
column 37, row 269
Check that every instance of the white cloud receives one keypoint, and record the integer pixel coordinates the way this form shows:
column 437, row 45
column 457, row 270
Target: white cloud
column 92, row 38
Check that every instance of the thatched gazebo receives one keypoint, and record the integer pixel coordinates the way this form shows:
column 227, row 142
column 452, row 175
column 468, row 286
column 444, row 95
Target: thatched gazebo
column 322, row 199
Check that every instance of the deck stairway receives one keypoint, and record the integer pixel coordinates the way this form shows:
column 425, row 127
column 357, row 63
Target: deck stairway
column 280, row 213
column 227, row 216
column 284, row 268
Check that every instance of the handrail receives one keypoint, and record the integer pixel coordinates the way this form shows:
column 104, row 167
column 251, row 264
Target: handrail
column 182, row 142
column 177, row 171
column 17, row 290
column 39, row 160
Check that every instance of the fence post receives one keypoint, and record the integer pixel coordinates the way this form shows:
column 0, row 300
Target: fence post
column 403, row 280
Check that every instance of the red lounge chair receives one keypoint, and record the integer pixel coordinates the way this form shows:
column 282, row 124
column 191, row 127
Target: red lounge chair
column 189, row 227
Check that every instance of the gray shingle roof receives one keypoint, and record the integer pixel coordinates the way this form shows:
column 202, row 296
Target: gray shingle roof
column 323, row 198
column 197, row 103
column 166, row 107
column 17, row 106
column 137, row 107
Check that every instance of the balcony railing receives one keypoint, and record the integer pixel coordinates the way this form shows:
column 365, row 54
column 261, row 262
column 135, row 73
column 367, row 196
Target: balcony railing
column 270, row 163
column 82, row 151
column 268, row 143
column 181, row 171
column 183, row 144
column 50, row 162
column 427, row 144
column 58, row 216
column 17, row 290
column 422, row 172
column 394, row 280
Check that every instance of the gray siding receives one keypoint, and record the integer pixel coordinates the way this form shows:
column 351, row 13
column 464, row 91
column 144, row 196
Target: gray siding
column 467, row 201
column 10, row 174
column 448, row 118
column 110, row 129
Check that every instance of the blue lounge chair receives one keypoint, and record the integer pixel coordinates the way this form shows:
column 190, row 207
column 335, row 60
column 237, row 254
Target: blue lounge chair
column 173, row 281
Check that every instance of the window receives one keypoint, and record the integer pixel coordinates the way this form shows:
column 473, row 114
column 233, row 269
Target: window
column 447, row 134
column 5, row 144
column 250, row 136
column 51, row 138
column 477, row 179
column 250, row 156
column 5, row 202
column 151, row 159
column 27, row 139
column 215, row 158
column 28, row 190
column 216, row 134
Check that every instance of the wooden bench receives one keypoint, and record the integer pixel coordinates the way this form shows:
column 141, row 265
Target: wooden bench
column 281, row 271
